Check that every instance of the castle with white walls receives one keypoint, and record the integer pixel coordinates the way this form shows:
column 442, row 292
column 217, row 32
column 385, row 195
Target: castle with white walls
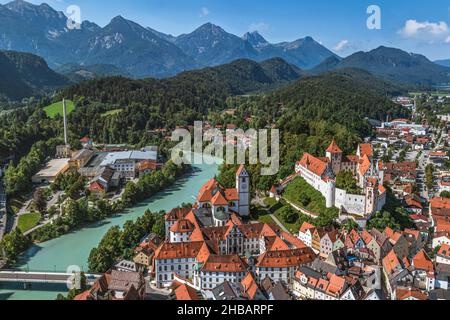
column 321, row 174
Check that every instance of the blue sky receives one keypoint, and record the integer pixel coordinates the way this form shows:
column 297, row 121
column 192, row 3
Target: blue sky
column 415, row 25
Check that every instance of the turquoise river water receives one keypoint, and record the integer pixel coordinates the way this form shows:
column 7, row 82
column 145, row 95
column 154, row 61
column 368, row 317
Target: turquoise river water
column 74, row 248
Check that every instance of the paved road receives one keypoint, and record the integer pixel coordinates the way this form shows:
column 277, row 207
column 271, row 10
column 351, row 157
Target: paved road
column 278, row 222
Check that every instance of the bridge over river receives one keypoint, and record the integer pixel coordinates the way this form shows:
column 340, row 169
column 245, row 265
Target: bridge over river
column 20, row 276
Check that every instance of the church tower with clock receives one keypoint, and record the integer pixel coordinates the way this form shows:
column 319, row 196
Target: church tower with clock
column 243, row 190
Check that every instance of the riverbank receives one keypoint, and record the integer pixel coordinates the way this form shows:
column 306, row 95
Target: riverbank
column 74, row 248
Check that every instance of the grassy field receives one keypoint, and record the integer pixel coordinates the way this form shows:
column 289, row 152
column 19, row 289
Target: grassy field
column 261, row 215
column 57, row 108
column 28, row 221
column 112, row 112
column 302, row 194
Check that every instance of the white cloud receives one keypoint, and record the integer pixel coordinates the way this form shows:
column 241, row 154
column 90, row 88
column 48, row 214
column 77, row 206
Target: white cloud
column 447, row 40
column 342, row 45
column 425, row 30
column 259, row 26
column 204, row 12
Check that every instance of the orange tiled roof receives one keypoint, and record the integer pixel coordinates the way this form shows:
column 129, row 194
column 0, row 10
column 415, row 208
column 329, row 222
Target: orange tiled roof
column 240, row 170
column 413, row 233
column 294, row 241
column 231, row 194
column 224, row 263
column 285, row 258
column 205, row 192
column 306, row 226
column 444, row 250
column 313, row 164
column 334, row 148
column 177, row 214
column 278, row 244
column 186, row 293
column 405, row 293
column 147, row 165
column 336, row 285
column 442, row 224
column 421, row 261
column 182, row 226
column 366, row 149
column 354, row 236
column 83, row 296
column 95, row 186
column 249, row 285
column 178, row 250
column 391, row 262
column 365, row 165
column 366, row 236
column 219, row 200
column 197, row 235
column 440, row 206
column 411, row 202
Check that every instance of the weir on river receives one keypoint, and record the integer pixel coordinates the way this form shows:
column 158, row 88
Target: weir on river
column 73, row 249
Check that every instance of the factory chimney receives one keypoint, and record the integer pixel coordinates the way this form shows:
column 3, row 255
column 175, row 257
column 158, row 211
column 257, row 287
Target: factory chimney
column 65, row 121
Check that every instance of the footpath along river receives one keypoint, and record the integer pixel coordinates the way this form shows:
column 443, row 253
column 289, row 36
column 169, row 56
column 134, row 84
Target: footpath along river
column 74, row 248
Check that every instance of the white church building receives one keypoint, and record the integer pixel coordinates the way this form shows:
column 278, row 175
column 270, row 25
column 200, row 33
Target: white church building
column 321, row 174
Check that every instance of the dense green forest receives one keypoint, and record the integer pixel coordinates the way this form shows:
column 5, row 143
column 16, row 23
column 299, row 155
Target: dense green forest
column 308, row 112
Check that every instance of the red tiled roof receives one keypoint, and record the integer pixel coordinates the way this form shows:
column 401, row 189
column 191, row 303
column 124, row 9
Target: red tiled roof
column 249, row 286
column 336, row 285
column 313, row 164
column 182, row 226
column 177, row 214
column 231, row 194
column 178, row 250
column 294, row 241
column 440, row 206
column 306, row 226
column 147, row 165
column 205, row 192
column 391, row 262
column 410, row 202
column 366, row 236
column 286, row 258
column 421, row 261
column 444, row 250
column 366, row 149
column 240, row 170
column 95, row 186
column 83, row 296
column 278, row 244
column 405, row 293
column 224, row 263
column 334, row 148
column 186, row 293
column 219, row 200
column 364, row 166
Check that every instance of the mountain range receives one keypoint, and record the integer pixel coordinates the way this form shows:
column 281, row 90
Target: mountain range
column 139, row 51
column 445, row 62
column 391, row 64
column 124, row 48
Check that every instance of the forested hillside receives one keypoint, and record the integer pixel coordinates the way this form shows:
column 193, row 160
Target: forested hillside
column 23, row 75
